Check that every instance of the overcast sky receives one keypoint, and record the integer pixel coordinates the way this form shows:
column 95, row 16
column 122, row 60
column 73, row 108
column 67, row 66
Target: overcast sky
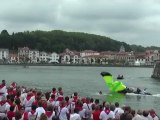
column 130, row 21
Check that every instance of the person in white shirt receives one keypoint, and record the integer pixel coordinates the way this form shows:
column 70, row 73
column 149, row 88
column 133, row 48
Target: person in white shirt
column 50, row 113
column 106, row 114
column 145, row 115
column 39, row 110
column 63, row 111
column 152, row 115
column 118, row 110
column 3, row 89
column 138, row 116
column 75, row 115
column 27, row 103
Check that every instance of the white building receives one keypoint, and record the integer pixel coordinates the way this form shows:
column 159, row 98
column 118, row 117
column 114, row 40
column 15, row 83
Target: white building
column 34, row 56
column 140, row 60
column 70, row 57
column 43, row 57
column 53, row 58
column 4, row 55
column 137, row 63
column 88, row 53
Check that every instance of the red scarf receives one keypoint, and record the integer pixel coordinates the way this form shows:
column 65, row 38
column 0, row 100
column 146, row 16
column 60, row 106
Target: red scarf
column 75, row 98
column 28, row 97
column 54, row 92
column 1, row 86
column 14, row 85
column 49, row 113
column 80, row 108
column 2, row 103
column 33, row 111
column 107, row 111
column 152, row 114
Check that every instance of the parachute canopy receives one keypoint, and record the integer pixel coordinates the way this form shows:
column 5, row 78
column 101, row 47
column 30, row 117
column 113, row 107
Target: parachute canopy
column 114, row 86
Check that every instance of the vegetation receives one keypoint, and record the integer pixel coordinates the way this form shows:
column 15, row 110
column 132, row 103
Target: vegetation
column 58, row 40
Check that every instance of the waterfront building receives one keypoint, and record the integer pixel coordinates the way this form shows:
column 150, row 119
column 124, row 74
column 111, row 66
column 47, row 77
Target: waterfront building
column 88, row 53
column 4, row 55
column 140, row 59
column 53, row 57
column 13, row 56
column 149, row 57
column 33, row 56
column 69, row 57
column 43, row 57
column 23, row 55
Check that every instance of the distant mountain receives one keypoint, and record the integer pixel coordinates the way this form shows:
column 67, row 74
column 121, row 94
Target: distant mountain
column 58, row 40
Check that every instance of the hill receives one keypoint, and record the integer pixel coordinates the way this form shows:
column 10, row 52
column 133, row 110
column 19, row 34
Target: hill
column 58, row 40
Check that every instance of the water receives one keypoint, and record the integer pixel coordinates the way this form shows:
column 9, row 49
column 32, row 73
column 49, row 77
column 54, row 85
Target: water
column 87, row 82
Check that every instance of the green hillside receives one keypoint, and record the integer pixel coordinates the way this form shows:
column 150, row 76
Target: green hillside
column 58, row 40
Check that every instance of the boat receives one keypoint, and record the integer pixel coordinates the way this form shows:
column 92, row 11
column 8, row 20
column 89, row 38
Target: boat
column 120, row 77
column 135, row 91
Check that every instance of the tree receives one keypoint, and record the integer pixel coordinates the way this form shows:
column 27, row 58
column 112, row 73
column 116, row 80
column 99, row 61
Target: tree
column 4, row 33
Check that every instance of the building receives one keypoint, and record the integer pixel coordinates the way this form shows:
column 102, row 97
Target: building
column 88, row 53
column 70, row 57
column 33, row 56
column 43, row 57
column 23, row 55
column 13, row 56
column 53, row 57
column 4, row 55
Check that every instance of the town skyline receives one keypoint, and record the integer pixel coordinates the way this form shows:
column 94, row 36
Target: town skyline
column 133, row 22
column 87, row 57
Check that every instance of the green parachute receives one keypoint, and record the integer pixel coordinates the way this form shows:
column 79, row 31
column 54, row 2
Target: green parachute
column 114, row 86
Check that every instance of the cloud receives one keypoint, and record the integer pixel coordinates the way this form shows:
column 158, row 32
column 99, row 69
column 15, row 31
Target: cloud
column 131, row 21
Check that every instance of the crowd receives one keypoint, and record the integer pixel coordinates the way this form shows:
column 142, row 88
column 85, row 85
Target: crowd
column 20, row 103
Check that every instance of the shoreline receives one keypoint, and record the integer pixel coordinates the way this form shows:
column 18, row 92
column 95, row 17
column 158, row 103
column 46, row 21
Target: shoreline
column 80, row 65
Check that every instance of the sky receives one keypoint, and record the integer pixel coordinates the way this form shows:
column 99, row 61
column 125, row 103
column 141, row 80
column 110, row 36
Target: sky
column 131, row 21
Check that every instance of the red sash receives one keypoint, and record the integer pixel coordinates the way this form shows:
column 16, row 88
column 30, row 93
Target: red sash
column 25, row 116
column 2, row 103
column 49, row 113
column 1, row 86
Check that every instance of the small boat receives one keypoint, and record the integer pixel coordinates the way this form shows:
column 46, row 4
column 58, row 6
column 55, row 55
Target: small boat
column 120, row 77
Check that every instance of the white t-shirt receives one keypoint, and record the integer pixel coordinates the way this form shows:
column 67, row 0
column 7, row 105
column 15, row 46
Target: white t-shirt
column 30, row 115
column 137, row 117
column 144, row 118
column 75, row 116
column 28, row 103
column 39, row 111
column 118, row 110
column 4, row 92
column 63, row 113
column 82, row 113
column 150, row 117
column 87, row 106
column 52, row 115
column 104, row 116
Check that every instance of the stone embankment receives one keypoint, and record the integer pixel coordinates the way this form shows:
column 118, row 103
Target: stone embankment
column 156, row 71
